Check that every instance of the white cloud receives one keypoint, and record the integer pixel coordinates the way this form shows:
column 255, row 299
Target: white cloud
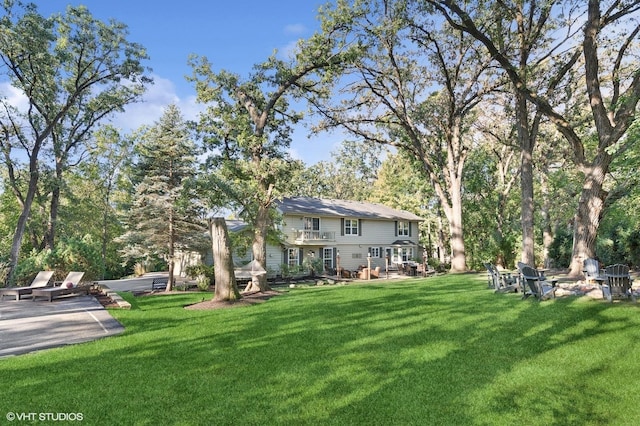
column 158, row 96
column 14, row 97
column 295, row 29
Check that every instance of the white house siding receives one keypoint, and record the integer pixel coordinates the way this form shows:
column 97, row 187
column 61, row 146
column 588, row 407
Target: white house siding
column 275, row 257
column 353, row 249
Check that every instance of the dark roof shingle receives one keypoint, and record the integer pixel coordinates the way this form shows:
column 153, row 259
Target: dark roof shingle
column 342, row 208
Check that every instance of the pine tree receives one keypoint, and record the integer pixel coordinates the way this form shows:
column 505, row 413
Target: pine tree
column 165, row 215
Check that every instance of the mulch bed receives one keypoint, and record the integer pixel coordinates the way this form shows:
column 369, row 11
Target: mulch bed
column 248, row 299
column 104, row 300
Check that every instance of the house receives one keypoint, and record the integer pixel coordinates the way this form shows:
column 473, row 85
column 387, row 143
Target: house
column 344, row 234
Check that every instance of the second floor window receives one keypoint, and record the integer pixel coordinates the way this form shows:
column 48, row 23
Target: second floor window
column 311, row 223
column 403, row 229
column 351, row 227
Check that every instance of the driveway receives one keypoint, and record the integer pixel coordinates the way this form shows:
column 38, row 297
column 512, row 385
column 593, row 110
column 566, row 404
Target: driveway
column 133, row 284
column 27, row 326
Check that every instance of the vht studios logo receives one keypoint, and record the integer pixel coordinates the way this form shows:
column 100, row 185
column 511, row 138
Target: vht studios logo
column 45, row 417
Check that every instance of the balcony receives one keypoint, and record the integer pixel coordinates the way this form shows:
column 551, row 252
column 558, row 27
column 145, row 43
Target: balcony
column 303, row 236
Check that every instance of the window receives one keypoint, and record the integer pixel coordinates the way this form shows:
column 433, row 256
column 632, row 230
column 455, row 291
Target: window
column 293, row 257
column 375, row 252
column 351, row 227
column 327, row 256
column 403, row 229
column 311, row 223
column 402, row 254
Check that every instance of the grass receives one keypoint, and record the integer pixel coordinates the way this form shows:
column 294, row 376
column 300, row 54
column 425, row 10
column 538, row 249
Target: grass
column 443, row 350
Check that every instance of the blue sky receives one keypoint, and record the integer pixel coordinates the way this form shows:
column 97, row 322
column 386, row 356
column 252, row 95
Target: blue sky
column 233, row 35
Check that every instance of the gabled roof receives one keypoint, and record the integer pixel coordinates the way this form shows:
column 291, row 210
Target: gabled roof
column 342, row 208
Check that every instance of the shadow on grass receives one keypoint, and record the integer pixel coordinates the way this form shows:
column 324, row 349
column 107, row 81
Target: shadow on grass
column 443, row 350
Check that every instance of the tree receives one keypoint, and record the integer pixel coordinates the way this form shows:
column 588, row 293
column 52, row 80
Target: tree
column 490, row 180
column 226, row 287
column 165, row 215
column 611, row 81
column 71, row 69
column 415, row 88
column 248, row 124
column 108, row 158
column 349, row 174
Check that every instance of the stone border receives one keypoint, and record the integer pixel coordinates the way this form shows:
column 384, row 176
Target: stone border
column 122, row 304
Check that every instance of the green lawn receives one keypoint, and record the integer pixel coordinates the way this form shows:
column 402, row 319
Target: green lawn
column 442, row 350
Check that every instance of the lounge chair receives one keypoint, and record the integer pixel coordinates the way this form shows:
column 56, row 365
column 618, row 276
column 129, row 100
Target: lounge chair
column 617, row 284
column 41, row 280
column 536, row 284
column 592, row 271
column 72, row 284
column 499, row 282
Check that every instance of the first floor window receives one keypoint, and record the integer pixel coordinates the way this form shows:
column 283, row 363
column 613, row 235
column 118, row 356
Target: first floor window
column 402, row 254
column 375, row 252
column 327, row 256
column 293, row 257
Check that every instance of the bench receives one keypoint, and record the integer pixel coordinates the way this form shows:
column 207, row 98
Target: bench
column 159, row 283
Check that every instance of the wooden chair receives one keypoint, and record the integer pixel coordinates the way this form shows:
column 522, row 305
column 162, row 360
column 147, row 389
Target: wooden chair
column 592, row 271
column 499, row 282
column 617, row 284
column 536, row 284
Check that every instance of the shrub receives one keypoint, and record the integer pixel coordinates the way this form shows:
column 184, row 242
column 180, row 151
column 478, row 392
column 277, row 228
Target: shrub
column 203, row 274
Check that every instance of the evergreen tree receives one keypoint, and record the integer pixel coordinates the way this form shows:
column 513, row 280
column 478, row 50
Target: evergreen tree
column 165, row 216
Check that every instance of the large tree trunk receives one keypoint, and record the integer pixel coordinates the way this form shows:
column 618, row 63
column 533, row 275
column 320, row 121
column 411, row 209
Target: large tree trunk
column 527, row 143
column 458, row 254
column 587, row 218
column 225, row 278
column 172, row 248
column 16, row 243
column 259, row 249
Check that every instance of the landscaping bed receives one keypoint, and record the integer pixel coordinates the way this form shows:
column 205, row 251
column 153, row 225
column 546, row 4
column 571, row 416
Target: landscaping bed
column 104, row 299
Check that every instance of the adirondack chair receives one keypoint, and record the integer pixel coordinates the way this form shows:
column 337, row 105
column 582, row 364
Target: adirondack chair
column 499, row 282
column 592, row 271
column 535, row 284
column 618, row 283
column 490, row 282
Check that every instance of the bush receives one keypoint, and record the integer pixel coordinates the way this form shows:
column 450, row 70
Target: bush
column 71, row 254
column 203, row 274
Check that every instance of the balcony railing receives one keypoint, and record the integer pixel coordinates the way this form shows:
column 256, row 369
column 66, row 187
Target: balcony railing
column 302, row 236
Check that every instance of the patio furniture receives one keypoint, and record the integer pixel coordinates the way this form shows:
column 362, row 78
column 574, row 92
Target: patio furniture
column 159, row 283
column 534, row 283
column 592, row 271
column 72, row 284
column 42, row 279
column 618, row 283
column 499, row 282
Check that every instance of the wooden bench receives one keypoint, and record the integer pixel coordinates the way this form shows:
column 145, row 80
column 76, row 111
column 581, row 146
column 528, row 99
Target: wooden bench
column 159, row 283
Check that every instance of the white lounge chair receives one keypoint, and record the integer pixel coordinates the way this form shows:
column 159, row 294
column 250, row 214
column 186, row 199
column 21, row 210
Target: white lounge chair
column 41, row 280
column 72, row 284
